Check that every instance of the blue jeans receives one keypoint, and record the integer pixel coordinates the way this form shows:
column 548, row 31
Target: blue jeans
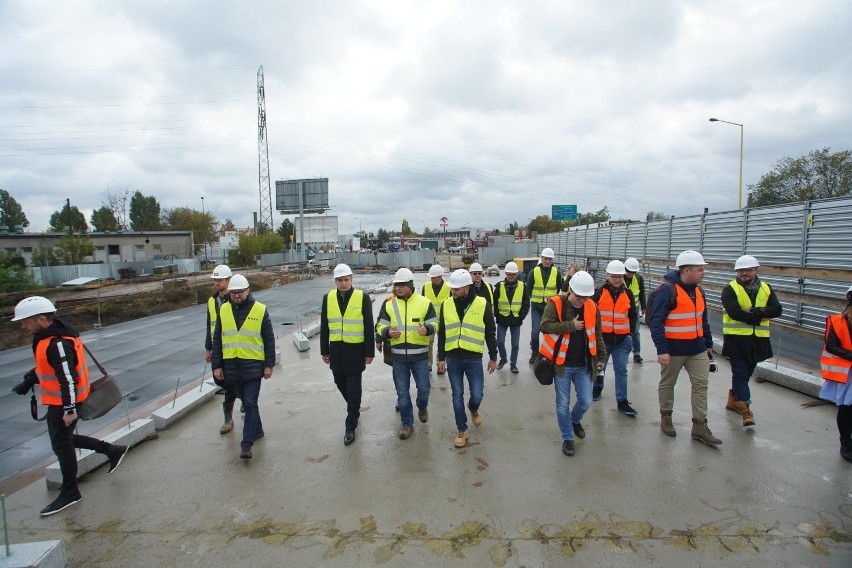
column 535, row 323
column 457, row 369
column 637, row 341
column 402, row 372
column 583, row 387
column 248, row 392
column 515, row 333
column 619, row 354
column 741, row 372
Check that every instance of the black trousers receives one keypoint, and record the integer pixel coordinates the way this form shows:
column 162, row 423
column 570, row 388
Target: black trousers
column 63, row 440
column 349, row 385
column 230, row 397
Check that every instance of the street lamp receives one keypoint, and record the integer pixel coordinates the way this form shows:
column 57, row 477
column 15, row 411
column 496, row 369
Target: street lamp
column 203, row 216
column 740, row 194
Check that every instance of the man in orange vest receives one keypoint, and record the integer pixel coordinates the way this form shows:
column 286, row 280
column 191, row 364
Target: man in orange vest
column 572, row 339
column 836, row 368
column 618, row 322
column 63, row 379
column 681, row 334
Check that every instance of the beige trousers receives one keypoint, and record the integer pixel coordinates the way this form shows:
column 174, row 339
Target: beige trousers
column 698, row 368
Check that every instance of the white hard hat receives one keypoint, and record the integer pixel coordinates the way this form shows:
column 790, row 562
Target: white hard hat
column 238, row 282
column 548, row 253
column 615, row 267
column 403, row 275
column 632, row 265
column 33, row 306
column 476, row 267
column 221, row 271
column 511, row 268
column 582, row 284
column 746, row 261
column 436, row 270
column 342, row 270
column 460, row 278
column 689, row 258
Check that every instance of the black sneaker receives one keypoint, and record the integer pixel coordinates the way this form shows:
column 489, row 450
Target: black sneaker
column 349, row 437
column 501, row 364
column 245, row 452
column 568, row 447
column 60, row 503
column 596, row 393
column 625, row 408
column 637, row 358
column 514, row 369
column 258, row 435
column 533, row 357
column 579, row 431
column 115, row 456
column 242, row 408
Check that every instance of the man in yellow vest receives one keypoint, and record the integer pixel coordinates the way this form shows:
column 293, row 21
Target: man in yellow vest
column 634, row 280
column 749, row 304
column 221, row 275
column 347, row 342
column 466, row 325
column 480, row 287
column 436, row 291
column 511, row 306
column 243, row 354
column 407, row 319
column 63, row 379
column 542, row 282
column 572, row 339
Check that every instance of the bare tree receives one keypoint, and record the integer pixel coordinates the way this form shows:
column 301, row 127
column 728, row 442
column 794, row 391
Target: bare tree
column 117, row 202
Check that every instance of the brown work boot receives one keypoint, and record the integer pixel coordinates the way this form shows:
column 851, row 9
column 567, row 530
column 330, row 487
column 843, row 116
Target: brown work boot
column 731, row 404
column 476, row 417
column 666, row 423
column 702, row 433
column 423, row 415
column 461, row 439
column 405, row 433
column 748, row 417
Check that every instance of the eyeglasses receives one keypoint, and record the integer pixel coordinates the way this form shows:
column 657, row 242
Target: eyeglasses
column 398, row 284
column 476, row 274
column 237, row 292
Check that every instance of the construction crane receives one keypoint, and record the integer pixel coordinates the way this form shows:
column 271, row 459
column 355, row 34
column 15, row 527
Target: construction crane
column 263, row 183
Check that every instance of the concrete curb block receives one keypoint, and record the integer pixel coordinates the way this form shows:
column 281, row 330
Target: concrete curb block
column 43, row 554
column 790, row 378
column 169, row 414
column 88, row 460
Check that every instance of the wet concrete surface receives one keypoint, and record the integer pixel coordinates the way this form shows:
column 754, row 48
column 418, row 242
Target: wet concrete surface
column 778, row 495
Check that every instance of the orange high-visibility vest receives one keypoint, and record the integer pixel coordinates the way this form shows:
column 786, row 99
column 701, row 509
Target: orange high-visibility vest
column 614, row 315
column 686, row 320
column 48, row 383
column 836, row 368
column 548, row 343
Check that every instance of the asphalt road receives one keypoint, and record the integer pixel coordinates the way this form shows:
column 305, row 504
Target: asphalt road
column 147, row 356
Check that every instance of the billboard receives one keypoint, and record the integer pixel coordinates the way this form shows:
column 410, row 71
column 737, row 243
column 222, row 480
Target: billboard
column 318, row 230
column 563, row 212
column 315, row 195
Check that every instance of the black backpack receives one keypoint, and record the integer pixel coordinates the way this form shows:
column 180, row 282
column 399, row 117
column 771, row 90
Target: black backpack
column 669, row 288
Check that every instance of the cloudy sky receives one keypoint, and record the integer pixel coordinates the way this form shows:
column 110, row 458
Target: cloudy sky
column 486, row 112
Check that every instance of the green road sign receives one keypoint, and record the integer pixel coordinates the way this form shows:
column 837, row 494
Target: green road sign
column 563, row 212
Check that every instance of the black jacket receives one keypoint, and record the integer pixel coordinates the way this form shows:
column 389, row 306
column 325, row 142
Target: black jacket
column 510, row 289
column 345, row 357
column 748, row 347
column 61, row 356
column 461, row 306
column 237, row 369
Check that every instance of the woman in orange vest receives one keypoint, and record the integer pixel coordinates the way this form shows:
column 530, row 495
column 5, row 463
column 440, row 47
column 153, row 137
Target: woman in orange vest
column 836, row 367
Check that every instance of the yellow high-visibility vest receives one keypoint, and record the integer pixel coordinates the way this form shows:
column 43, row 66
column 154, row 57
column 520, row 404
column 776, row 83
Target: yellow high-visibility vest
column 348, row 327
column 246, row 342
column 730, row 326
column 541, row 291
column 504, row 306
column 468, row 333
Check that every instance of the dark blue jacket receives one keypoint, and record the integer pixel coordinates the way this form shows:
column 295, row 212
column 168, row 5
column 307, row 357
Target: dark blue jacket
column 660, row 310
column 239, row 370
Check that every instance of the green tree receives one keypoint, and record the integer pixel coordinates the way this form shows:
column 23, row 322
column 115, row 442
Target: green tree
column 203, row 225
column 598, row 216
column 544, row 224
column 69, row 250
column 103, row 219
column 427, row 232
column 144, row 213
column 656, row 216
column 11, row 213
column 15, row 279
column 406, row 230
column 819, row 175
column 286, row 231
column 59, row 220
column 383, row 236
column 228, row 225
column 252, row 246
